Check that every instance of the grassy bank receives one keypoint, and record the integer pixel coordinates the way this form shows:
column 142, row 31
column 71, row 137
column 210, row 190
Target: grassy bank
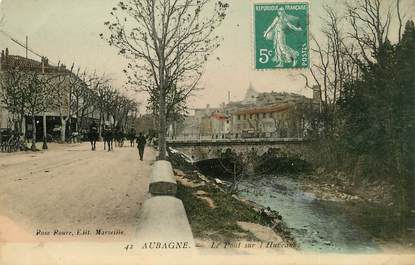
column 369, row 205
column 214, row 215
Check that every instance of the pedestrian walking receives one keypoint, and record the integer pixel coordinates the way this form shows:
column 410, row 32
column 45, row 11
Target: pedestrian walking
column 93, row 135
column 141, row 143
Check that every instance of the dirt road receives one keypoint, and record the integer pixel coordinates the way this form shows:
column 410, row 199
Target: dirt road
column 70, row 192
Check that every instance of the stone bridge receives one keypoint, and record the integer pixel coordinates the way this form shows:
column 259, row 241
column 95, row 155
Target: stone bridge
column 204, row 149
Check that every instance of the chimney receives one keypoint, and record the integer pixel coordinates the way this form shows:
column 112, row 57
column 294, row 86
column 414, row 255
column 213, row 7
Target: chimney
column 7, row 53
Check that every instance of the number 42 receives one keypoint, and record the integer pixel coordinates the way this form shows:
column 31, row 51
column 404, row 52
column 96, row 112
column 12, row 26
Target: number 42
column 128, row 247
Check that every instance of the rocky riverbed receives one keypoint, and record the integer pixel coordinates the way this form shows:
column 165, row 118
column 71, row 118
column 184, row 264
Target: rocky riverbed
column 327, row 212
column 329, row 215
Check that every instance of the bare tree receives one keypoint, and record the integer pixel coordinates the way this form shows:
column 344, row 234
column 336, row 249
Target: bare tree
column 119, row 106
column 97, row 85
column 12, row 82
column 39, row 97
column 335, row 64
column 83, row 98
column 106, row 101
column 351, row 42
column 60, row 87
column 238, row 166
column 370, row 22
column 128, row 113
column 26, row 92
column 168, row 42
column 398, row 13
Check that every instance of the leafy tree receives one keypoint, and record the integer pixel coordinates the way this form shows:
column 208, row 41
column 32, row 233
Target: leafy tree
column 367, row 85
column 379, row 118
column 404, row 110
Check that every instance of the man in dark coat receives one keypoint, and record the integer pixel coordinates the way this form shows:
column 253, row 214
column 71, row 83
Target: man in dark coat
column 93, row 135
column 141, row 143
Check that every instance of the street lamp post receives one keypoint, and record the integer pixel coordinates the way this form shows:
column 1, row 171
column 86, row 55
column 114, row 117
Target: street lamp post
column 45, row 144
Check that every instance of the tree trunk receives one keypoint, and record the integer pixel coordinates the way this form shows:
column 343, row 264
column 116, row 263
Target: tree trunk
column 20, row 121
column 63, row 129
column 162, row 125
column 69, row 122
column 21, row 118
column 18, row 124
column 33, row 147
column 81, row 120
column 100, row 125
column 125, row 123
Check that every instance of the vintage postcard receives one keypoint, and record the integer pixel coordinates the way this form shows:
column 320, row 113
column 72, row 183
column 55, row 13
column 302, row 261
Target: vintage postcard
column 207, row 132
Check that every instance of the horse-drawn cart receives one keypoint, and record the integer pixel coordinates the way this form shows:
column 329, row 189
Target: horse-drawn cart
column 10, row 141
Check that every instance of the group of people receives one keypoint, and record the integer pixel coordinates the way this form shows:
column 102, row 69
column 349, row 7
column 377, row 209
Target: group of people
column 116, row 134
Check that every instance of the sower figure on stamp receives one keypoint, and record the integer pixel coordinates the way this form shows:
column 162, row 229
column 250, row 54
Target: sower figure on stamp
column 141, row 143
column 277, row 33
column 93, row 135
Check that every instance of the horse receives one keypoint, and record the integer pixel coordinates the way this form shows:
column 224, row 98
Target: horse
column 131, row 137
column 5, row 137
column 93, row 136
column 108, row 135
column 119, row 137
column 10, row 141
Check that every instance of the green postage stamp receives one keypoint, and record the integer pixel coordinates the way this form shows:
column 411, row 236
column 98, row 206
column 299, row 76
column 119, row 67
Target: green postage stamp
column 281, row 36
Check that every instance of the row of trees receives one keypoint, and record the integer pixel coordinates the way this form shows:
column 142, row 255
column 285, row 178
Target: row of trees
column 64, row 91
column 367, row 88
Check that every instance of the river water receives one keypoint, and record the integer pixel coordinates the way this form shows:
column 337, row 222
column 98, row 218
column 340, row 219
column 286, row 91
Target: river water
column 317, row 226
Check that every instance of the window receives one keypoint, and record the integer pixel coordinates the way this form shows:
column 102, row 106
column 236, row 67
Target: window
column 239, row 117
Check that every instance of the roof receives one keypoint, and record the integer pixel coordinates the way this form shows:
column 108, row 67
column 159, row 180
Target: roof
column 218, row 116
column 265, row 109
column 22, row 63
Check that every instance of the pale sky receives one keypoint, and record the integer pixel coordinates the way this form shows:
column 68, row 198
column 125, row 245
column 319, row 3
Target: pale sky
column 68, row 31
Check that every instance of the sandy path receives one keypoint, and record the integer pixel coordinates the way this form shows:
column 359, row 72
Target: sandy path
column 69, row 188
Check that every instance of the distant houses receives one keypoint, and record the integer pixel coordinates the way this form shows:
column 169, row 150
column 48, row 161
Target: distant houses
column 270, row 114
